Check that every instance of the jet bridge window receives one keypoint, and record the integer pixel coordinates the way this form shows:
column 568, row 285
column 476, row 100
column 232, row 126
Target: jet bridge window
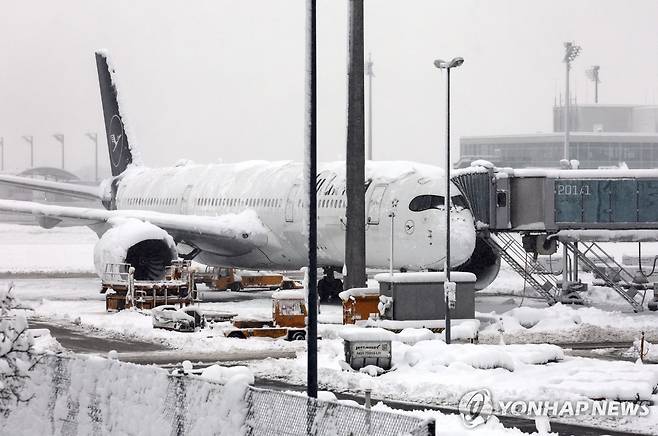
column 424, row 202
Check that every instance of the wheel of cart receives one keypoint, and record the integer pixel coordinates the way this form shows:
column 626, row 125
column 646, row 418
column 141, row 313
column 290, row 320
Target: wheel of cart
column 296, row 335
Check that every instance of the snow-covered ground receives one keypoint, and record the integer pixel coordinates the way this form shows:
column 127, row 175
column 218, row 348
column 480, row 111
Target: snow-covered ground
column 31, row 249
column 425, row 368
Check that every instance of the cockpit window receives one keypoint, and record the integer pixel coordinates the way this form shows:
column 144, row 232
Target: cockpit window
column 424, row 202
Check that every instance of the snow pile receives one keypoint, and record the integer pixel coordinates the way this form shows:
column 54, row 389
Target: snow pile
column 17, row 353
column 99, row 396
column 566, row 324
column 366, row 334
column 428, row 355
column 358, row 292
column 544, row 318
column 453, row 424
column 649, row 351
column 227, row 374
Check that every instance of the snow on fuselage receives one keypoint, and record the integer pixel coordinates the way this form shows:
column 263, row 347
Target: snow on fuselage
column 274, row 190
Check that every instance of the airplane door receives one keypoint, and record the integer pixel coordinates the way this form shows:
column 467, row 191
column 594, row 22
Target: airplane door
column 185, row 199
column 290, row 204
column 375, row 204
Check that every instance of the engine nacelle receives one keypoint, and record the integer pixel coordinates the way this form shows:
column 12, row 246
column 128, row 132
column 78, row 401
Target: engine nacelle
column 146, row 247
column 484, row 263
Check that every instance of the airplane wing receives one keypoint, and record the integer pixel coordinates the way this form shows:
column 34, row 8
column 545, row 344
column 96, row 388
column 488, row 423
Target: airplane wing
column 230, row 234
column 70, row 189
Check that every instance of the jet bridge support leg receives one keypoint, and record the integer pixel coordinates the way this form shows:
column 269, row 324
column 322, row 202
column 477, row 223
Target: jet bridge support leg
column 610, row 272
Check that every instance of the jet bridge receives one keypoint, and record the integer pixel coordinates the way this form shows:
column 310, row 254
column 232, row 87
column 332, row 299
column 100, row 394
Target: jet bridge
column 578, row 208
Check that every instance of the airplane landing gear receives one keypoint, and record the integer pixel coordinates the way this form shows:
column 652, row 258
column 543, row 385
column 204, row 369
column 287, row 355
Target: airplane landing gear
column 329, row 286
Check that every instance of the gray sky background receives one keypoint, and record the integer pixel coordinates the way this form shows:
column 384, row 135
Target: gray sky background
column 219, row 79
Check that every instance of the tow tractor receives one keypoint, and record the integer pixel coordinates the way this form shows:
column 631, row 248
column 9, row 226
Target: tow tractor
column 223, row 279
column 288, row 319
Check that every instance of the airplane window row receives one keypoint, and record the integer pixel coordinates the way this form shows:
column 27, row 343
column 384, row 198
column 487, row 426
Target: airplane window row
column 329, row 203
column 151, row 201
column 332, row 203
column 230, row 202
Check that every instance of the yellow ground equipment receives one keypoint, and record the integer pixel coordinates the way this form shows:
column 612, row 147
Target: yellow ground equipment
column 222, row 279
column 288, row 319
column 122, row 291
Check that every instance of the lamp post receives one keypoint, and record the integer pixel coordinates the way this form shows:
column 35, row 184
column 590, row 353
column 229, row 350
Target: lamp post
column 94, row 137
column 60, row 138
column 571, row 52
column 311, row 177
column 593, row 75
column 443, row 65
column 30, row 140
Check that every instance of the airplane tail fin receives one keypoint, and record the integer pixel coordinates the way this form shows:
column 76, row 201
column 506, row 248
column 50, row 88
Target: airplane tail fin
column 121, row 152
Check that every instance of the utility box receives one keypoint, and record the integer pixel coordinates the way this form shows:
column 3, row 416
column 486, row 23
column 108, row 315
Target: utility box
column 367, row 346
column 359, row 304
column 420, row 295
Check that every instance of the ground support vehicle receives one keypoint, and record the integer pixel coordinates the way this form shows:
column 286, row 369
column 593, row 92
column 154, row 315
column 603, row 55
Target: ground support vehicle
column 223, row 279
column 359, row 304
column 122, row 291
column 288, row 319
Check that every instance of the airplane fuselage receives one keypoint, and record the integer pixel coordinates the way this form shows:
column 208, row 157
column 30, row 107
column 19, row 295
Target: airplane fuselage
column 274, row 190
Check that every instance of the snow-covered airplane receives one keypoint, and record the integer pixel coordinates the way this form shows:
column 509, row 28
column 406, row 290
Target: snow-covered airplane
column 251, row 214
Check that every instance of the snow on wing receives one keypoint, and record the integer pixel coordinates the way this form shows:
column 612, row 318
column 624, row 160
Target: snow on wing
column 235, row 233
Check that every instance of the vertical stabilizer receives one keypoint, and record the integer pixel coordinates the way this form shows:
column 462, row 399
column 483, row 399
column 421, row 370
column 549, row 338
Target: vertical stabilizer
column 120, row 151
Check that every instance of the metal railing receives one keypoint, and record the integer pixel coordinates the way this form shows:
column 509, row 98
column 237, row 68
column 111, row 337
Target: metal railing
column 116, row 273
column 276, row 413
column 613, row 274
column 535, row 274
column 191, row 405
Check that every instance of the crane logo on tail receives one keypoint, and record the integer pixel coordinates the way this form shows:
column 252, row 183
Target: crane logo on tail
column 116, row 136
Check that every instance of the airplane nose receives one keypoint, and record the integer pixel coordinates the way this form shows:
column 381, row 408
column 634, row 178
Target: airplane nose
column 462, row 236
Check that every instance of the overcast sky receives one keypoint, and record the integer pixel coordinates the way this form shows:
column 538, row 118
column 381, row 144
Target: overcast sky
column 218, row 79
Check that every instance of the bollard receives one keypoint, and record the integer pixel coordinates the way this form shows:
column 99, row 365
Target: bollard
column 368, row 402
column 642, row 347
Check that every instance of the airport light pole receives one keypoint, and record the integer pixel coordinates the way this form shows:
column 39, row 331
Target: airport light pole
column 60, row 138
column 355, row 154
column 94, row 137
column 593, row 75
column 30, row 140
column 571, row 52
column 443, row 65
column 311, row 176
column 370, row 73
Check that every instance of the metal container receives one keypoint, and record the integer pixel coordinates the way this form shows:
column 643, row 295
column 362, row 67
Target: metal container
column 359, row 354
column 420, row 296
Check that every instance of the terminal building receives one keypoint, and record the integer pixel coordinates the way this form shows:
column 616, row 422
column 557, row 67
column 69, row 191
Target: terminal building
column 600, row 136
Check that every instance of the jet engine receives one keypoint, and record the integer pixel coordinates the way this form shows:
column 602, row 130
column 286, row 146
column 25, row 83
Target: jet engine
column 146, row 247
column 484, row 263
